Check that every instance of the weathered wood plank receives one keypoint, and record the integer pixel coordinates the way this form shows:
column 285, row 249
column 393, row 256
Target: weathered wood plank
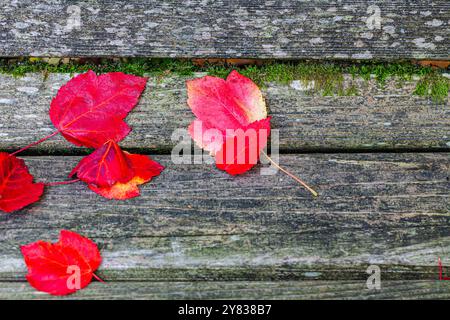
column 248, row 290
column 196, row 223
column 381, row 118
column 253, row 29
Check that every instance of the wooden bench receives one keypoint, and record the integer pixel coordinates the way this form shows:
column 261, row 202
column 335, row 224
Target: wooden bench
column 380, row 160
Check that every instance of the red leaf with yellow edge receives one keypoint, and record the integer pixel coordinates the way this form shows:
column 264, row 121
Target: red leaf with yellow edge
column 144, row 170
column 63, row 267
column 17, row 189
column 226, row 110
column 89, row 110
column 105, row 166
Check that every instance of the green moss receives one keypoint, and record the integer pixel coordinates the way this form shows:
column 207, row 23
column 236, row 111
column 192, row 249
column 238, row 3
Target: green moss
column 326, row 78
column 433, row 85
column 137, row 66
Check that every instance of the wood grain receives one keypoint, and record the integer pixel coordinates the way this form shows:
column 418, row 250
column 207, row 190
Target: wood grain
column 381, row 118
column 196, row 223
column 228, row 29
column 247, row 290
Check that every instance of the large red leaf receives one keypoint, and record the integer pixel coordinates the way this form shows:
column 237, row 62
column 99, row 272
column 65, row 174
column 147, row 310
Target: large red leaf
column 226, row 110
column 89, row 110
column 17, row 189
column 144, row 170
column 63, row 267
column 105, row 166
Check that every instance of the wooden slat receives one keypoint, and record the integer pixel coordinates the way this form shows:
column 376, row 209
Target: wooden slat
column 248, row 290
column 254, row 29
column 380, row 118
column 196, row 223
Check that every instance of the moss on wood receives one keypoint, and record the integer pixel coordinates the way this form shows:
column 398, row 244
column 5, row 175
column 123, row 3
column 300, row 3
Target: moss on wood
column 325, row 78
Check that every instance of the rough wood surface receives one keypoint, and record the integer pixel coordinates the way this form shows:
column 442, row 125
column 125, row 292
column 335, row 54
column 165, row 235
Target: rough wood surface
column 251, row 29
column 380, row 118
column 196, row 223
column 248, row 290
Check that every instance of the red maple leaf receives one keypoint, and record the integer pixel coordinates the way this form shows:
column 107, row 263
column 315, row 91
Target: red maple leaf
column 105, row 166
column 232, row 122
column 116, row 174
column 63, row 267
column 89, row 109
column 17, row 189
column 228, row 112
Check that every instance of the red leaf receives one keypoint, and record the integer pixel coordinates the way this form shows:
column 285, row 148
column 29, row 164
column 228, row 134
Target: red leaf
column 222, row 108
column 144, row 170
column 17, row 189
column 104, row 167
column 64, row 267
column 89, row 110
column 115, row 174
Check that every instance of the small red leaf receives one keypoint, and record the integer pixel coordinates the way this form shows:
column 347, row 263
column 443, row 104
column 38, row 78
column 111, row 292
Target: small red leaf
column 226, row 111
column 144, row 170
column 63, row 267
column 17, row 189
column 104, row 167
column 116, row 174
column 89, row 110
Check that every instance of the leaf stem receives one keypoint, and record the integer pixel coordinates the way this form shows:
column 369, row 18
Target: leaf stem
column 59, row 183
column 35, row 143
column 314, row 193
column 98, row 278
